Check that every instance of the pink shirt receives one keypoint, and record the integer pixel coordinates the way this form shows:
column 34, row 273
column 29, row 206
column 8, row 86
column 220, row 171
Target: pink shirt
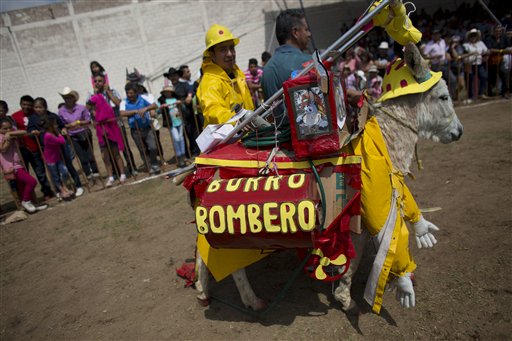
column 52, row 145
column 9, row 160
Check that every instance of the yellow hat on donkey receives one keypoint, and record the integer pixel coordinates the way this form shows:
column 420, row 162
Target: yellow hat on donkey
column 399, row 81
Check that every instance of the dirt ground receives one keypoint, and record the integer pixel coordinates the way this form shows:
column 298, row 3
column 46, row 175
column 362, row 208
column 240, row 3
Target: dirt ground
column 103, row 266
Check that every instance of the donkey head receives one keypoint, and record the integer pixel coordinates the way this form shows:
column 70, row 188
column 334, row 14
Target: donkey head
column 436, row 117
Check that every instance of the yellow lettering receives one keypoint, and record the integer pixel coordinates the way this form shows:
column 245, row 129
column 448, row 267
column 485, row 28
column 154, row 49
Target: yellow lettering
column 233, row 184
column 214, row 186
column 221, row 219
column 286, row 213
column 201, row 215
column 239, row 214
column 253, row 213
column 272, row 181
column 252, row 184
column 269, row 217
column 304, row 206
column 296, row 180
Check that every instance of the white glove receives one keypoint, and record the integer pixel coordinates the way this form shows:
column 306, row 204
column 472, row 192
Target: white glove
column 404, row 290
column 423, row 230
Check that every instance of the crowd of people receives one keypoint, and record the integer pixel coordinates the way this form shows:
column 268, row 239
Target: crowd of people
column 473, row 52
column 473, row 56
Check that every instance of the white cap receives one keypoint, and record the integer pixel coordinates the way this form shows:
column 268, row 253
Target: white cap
column 384, row 45
column 360, row 73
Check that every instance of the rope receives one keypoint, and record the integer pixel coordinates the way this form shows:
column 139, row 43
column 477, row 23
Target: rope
column 275, row 301
column 266, row 136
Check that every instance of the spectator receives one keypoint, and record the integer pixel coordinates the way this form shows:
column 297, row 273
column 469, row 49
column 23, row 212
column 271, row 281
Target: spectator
column 498, row 44
column 363, row 59
column 436, row 51
column 185, row 93
column 477, row 73
column 12, row 168
column 4, row 110
column 137, row 78
column 137, row 108
column 293, row 35
column 345, row 72
column 349, row 60
column 28, row 146
column 97, row 69
column 53, row 142
column 113, row 98
column 384, row 56
column 76, row 119
column 374, row 82
column 169, row 107
column 185, row 75
column 109, row 137
column 265, row 57
column 36, row 126
column 356, row 81
column 457, row 66
column 253, row 78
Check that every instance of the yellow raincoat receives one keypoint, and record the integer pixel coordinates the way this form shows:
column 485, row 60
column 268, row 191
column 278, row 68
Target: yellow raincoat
column 217, row 93
column 385, row 203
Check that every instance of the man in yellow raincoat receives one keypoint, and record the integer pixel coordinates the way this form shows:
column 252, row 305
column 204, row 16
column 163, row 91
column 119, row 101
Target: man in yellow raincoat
column 222, row 87
column 223, row 84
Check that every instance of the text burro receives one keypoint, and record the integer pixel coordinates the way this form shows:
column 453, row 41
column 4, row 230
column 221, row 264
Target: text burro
column 274, row 204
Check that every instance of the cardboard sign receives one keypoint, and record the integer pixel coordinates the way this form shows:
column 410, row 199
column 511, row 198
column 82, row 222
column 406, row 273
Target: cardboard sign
column 259, row 212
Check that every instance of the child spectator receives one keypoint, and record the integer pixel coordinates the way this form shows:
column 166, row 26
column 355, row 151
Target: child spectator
column 253, row 78
column 53, row 141
column 169, row 108
column 107, row 128
column 35, row 126
column 11, row 166
column 97, row 69
column 4, row 110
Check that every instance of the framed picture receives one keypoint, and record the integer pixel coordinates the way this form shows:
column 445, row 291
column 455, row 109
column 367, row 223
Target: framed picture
column 310, row 111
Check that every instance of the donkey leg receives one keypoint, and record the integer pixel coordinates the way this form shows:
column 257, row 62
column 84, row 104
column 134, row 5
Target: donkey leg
column 342, row 292
column 249, row 298
column 202, row 279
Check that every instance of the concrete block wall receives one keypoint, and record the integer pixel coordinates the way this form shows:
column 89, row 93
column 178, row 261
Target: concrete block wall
column 46, row 48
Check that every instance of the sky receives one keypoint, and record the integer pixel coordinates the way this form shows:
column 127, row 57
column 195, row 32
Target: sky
column 10, row 5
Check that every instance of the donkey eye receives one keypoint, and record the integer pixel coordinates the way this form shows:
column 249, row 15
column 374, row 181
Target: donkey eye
column 444, row 97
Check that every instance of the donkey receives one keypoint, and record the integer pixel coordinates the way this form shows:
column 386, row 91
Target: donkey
column 428, row 115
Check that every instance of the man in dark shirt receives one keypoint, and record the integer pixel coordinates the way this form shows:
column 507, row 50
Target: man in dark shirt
column 498, row 45
column 184, row 92
column 293, row 35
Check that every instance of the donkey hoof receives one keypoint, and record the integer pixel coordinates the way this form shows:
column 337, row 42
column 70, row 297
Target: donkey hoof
column 261, row 305
column 352, row 309
column 203, row 302
column 258, row 305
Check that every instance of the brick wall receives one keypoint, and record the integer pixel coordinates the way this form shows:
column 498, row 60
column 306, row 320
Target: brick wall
column 43, row 49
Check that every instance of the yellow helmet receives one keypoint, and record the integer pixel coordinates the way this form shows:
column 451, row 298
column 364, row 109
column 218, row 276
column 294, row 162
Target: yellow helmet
column 217, row 34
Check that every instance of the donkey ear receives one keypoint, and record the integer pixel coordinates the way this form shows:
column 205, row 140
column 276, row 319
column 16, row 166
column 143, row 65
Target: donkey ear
column 415, row 62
